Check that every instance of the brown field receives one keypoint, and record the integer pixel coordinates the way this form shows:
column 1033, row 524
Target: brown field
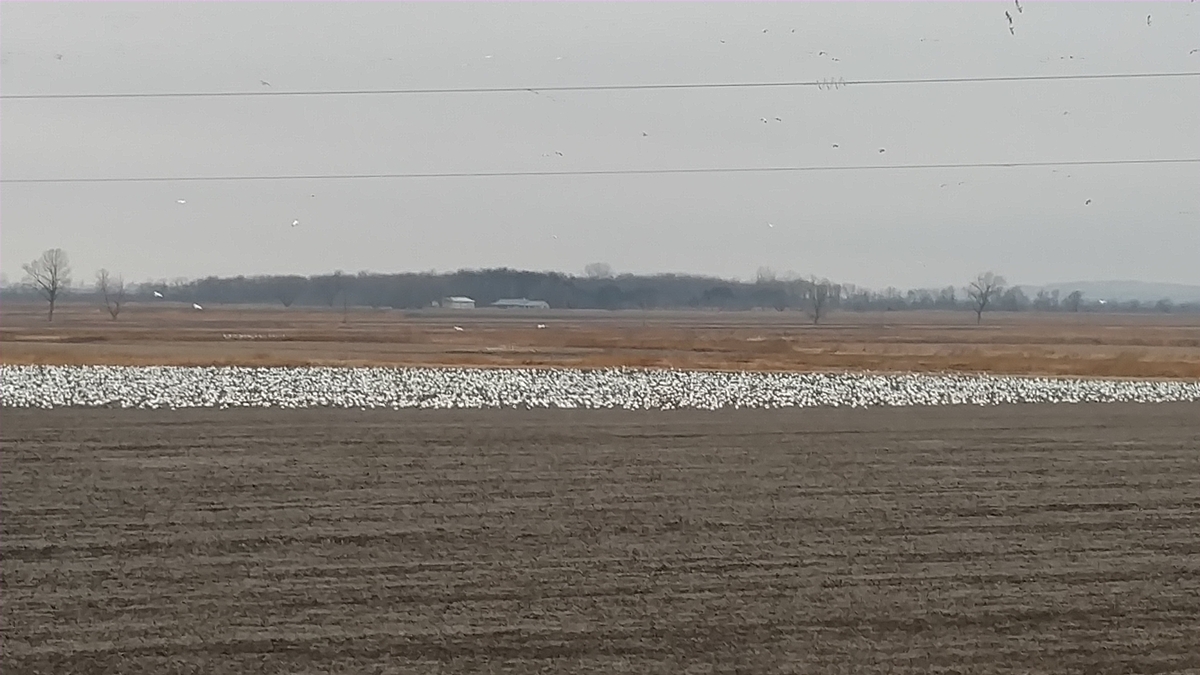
column 1019, row 539
column 1145, row 345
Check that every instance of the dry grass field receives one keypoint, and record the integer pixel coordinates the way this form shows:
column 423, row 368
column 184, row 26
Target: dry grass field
column 1019, row 539
column 1147, row 345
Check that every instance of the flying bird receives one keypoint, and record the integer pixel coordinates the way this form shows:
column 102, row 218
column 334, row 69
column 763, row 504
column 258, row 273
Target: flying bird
column 1147, row 19
column 1088, row 202
column 295, row 223
column 58, row 57
column 770, row 224
column 1008, row 16
column 195, row 306
column 836, row 145
column 778, row 119
column 764, row 120
column 1019, row 10
column 264, row 83
column 644, row 134
column 881, row 150
column 180, row 201
column 157, row 294
column 1011, row 30
column 541, row 325
column 558, row 153
column 458, row 328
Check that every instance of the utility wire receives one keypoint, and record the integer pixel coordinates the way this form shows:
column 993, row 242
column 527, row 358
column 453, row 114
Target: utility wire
column 599, row 172
column 820, row 83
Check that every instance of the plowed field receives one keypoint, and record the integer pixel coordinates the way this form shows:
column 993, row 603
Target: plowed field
column 1024, row 539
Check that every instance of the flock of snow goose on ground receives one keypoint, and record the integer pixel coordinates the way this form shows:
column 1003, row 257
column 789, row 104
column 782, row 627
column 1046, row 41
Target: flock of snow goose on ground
column 637, row 389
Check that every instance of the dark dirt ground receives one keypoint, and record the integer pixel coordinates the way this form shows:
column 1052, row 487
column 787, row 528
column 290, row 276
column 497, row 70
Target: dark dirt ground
column 1023, row 539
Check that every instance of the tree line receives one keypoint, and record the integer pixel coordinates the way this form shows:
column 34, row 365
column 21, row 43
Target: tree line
column 598, row 288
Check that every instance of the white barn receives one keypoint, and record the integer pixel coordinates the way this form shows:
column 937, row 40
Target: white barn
column 521, row 303
column 458, row 302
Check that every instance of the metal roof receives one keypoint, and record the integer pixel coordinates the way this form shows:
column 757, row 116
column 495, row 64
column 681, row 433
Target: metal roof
column 521, row 302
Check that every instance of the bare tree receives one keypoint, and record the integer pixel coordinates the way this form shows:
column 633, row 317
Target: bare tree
column 341, row 284
column 765, row 275
column 288, row 288
column 1074, row 300
column 113, row 291
column 328, row 287
column 50, row 275
column 982, row 291
column 818, row 298
column 598, row 270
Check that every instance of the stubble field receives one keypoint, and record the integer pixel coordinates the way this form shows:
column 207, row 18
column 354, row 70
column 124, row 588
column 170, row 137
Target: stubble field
column 1026, row 343
column 1023, row 539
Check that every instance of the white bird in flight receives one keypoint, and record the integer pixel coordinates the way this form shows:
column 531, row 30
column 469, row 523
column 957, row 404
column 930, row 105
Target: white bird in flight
column 157, row 294
column 195, row 306
column 180, row 201
column 295, row 223
column 458, row 328
column 541, row 325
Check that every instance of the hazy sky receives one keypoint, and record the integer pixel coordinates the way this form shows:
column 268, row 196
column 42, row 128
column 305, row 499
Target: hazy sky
column 874, row 228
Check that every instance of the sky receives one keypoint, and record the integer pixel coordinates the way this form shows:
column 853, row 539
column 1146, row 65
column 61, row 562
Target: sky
column 875, row 228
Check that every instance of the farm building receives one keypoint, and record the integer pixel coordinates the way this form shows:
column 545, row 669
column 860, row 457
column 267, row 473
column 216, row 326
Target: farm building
column 520, row 303
column 458, row 302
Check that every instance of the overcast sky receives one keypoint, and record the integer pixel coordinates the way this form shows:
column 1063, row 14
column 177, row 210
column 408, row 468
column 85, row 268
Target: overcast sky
column 874, row 228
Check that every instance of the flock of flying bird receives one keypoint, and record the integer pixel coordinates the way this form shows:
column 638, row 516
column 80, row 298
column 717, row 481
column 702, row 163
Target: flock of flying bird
column 557, row 153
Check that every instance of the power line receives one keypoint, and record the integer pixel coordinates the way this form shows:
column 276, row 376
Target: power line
column 602, row 172
column 821, row 83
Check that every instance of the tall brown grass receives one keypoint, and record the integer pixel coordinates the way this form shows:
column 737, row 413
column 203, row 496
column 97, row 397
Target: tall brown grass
column 1098, row 346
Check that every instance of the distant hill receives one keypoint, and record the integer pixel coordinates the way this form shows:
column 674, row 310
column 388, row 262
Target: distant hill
column 1122, row 291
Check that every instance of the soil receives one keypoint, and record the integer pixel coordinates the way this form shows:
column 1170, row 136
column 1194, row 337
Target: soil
column 1019, row 539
